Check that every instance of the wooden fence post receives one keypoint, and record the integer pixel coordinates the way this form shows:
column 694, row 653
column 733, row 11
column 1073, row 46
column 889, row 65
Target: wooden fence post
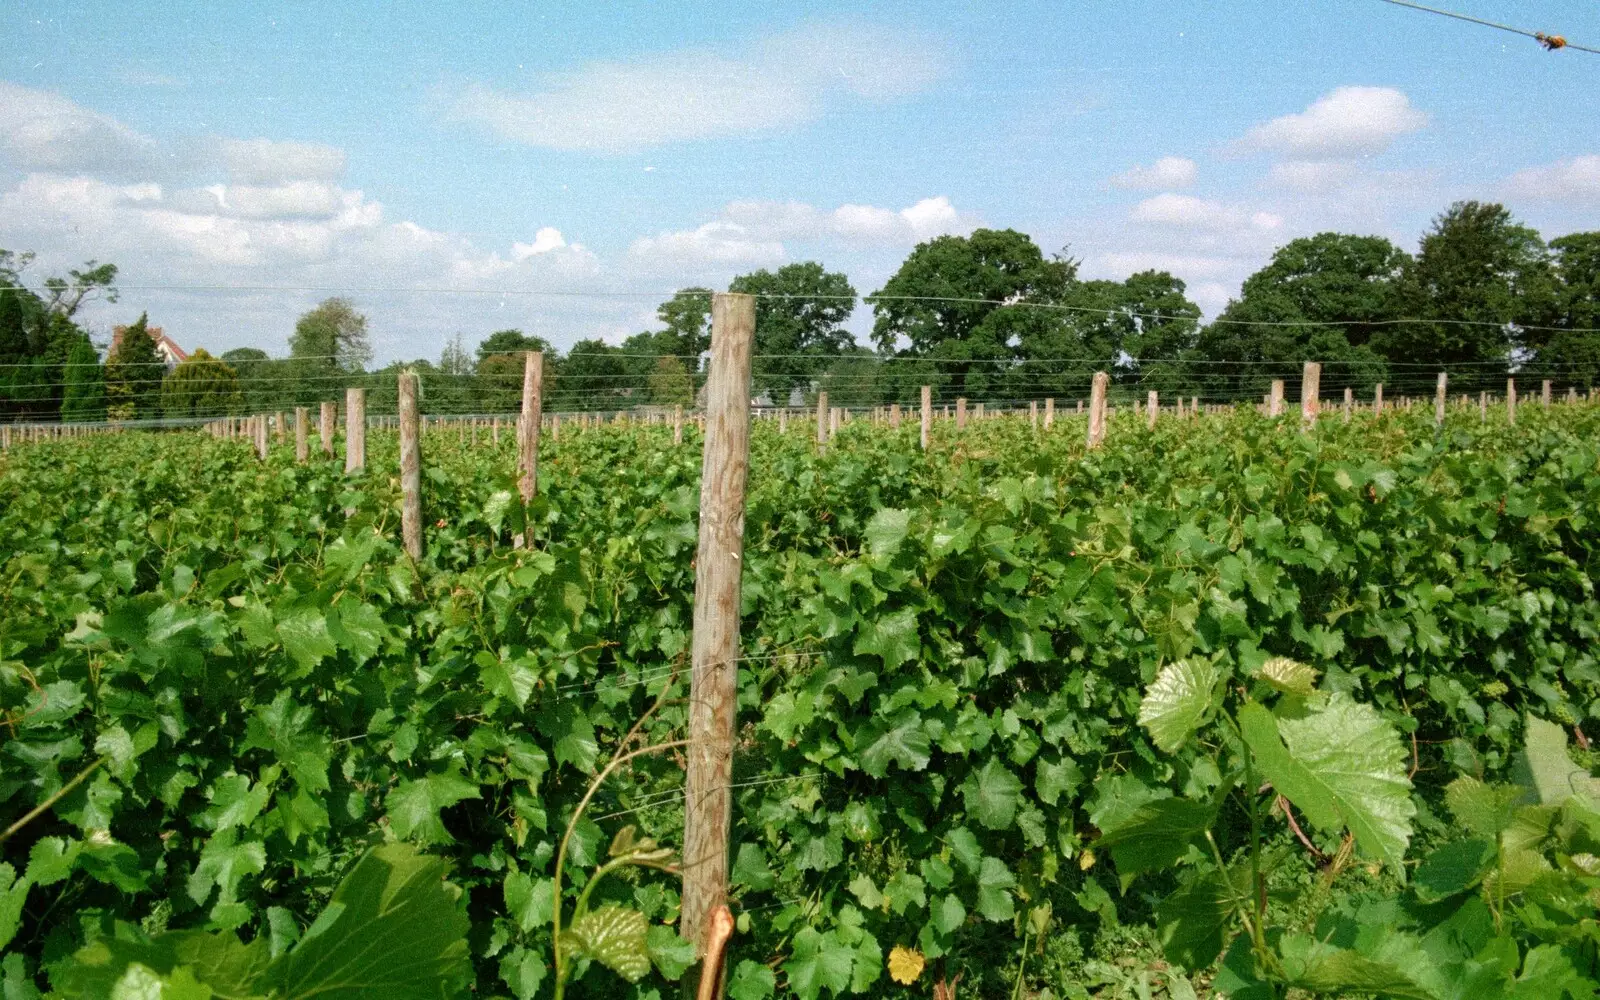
column 261, row 436
column 1544, row 394
column 824, row 414
column 927, row 414
column 1097, row 409
column 1377, row 399
column 355, row 430
column 894, row 416
column 961, row 412
column 713, row 691
column 330, row 415
column 1439, row 395
column 1483, row 405
column 410, row 468
column 281, row 426
column 1049, row 412
column 677, row 425
column 1511, row 400
column 1275, row 399
column 301, row 431
column 1153, row 406
column 528, row 428
column 1349, row 402
column 1310, row 392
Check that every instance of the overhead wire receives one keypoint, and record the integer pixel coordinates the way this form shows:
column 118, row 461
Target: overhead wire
column 1551, row 42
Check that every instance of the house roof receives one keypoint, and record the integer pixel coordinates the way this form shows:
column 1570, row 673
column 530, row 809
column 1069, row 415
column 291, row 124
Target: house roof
column 164, row 344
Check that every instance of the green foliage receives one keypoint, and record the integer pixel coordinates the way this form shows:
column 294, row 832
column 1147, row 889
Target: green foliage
column 330, row 338
column 800, row 316
column 84, row 395
column 134, row 371
column 201, row 386
column 392, row 928
column 939, row 701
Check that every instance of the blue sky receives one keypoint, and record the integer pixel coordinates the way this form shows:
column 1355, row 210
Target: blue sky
column 443, row 164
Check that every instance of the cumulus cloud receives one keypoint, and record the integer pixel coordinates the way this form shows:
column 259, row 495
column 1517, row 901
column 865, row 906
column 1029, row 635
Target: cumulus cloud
column 1165, row 174
column 1347, row 122
column 696, row 94
column 1574, row 179
column 753, row 233
column 1182, row 211
column 544, row 241
column 265, row 161
column 41, row 130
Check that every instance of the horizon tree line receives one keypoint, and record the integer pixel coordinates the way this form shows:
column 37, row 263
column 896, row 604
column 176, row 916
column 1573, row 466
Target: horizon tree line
column 989, row 316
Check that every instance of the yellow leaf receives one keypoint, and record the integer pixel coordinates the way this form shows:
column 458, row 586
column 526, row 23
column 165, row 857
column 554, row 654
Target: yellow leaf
column 1086, row 860
column 905, row 964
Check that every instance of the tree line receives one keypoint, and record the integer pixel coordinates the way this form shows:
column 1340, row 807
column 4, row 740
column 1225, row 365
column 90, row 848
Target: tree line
column 987, row 316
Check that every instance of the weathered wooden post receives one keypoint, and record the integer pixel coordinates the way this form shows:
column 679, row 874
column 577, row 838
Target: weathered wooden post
column 1439, row 395
column 1049, row 412
column 280, row 426
column 355, row 430
column 301, row 432
column 1097, row 409
column 1349, row 402
column 528, row 429
column 261, row 436
column 677, row 425
column 824, row 414
column 410, row 468
column 1483, row 405
column 1310, row 392
column 1544, row 394
column 1275, row 398
column 961, row 412
column 1377, row 399
column 927, row 414
column 330, row 415
column 1511, row 400
column 1152, row 405
column 894, row 416
column 713, row 691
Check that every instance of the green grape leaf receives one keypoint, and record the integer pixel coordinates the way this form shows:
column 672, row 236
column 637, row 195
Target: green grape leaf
column 1191, row 920
column 671, row 954
column 1482, row 809
column 817, row 960
column 751, row 981
column 13, row 893
column 892, row 637
column 615, row 936
column 992, row 794
column 394, row 929
column 305, row 637
column 901, row 740
column 1289, row 676
column 286, row 731
column 414, row 805
column 886, row 531
column 1177, row 701
column 995, row 882
column 1326, row 969
column 1157, row 834
column 1342, row 765
column 224, row 863
column 1453, row 868
column 1551, row 769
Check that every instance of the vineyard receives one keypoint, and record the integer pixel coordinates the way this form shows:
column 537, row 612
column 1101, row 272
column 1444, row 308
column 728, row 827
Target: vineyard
column 1225, row 705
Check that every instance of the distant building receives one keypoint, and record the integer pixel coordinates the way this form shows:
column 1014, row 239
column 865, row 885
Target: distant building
column 168, row 348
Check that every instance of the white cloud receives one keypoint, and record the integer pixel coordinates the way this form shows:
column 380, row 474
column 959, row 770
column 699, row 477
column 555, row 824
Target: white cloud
column 853, row 224
column 544, row 241
column 1311, row 176
column 1346, row 122
column 697, row 94
column 294, row 200
column 265, row 161
column 1182, row 211
column 41, row 130
column 1168, row 172
column 715, row 244
column 1574, row 179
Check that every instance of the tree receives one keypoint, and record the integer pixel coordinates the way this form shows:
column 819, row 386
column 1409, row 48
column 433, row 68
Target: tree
column 1482, row 277
column 593, row 377
column 333, row 334
column 687, row 318
column 1572, row 354
column 957, row 300
column 66, row 296
column 669, row 382
column 500, row 367
column 800, row 315
column 512, row 342
column 1321, row 298
column 134, row 371
column 264, row 384
column 202, row 386
column 84, row 395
